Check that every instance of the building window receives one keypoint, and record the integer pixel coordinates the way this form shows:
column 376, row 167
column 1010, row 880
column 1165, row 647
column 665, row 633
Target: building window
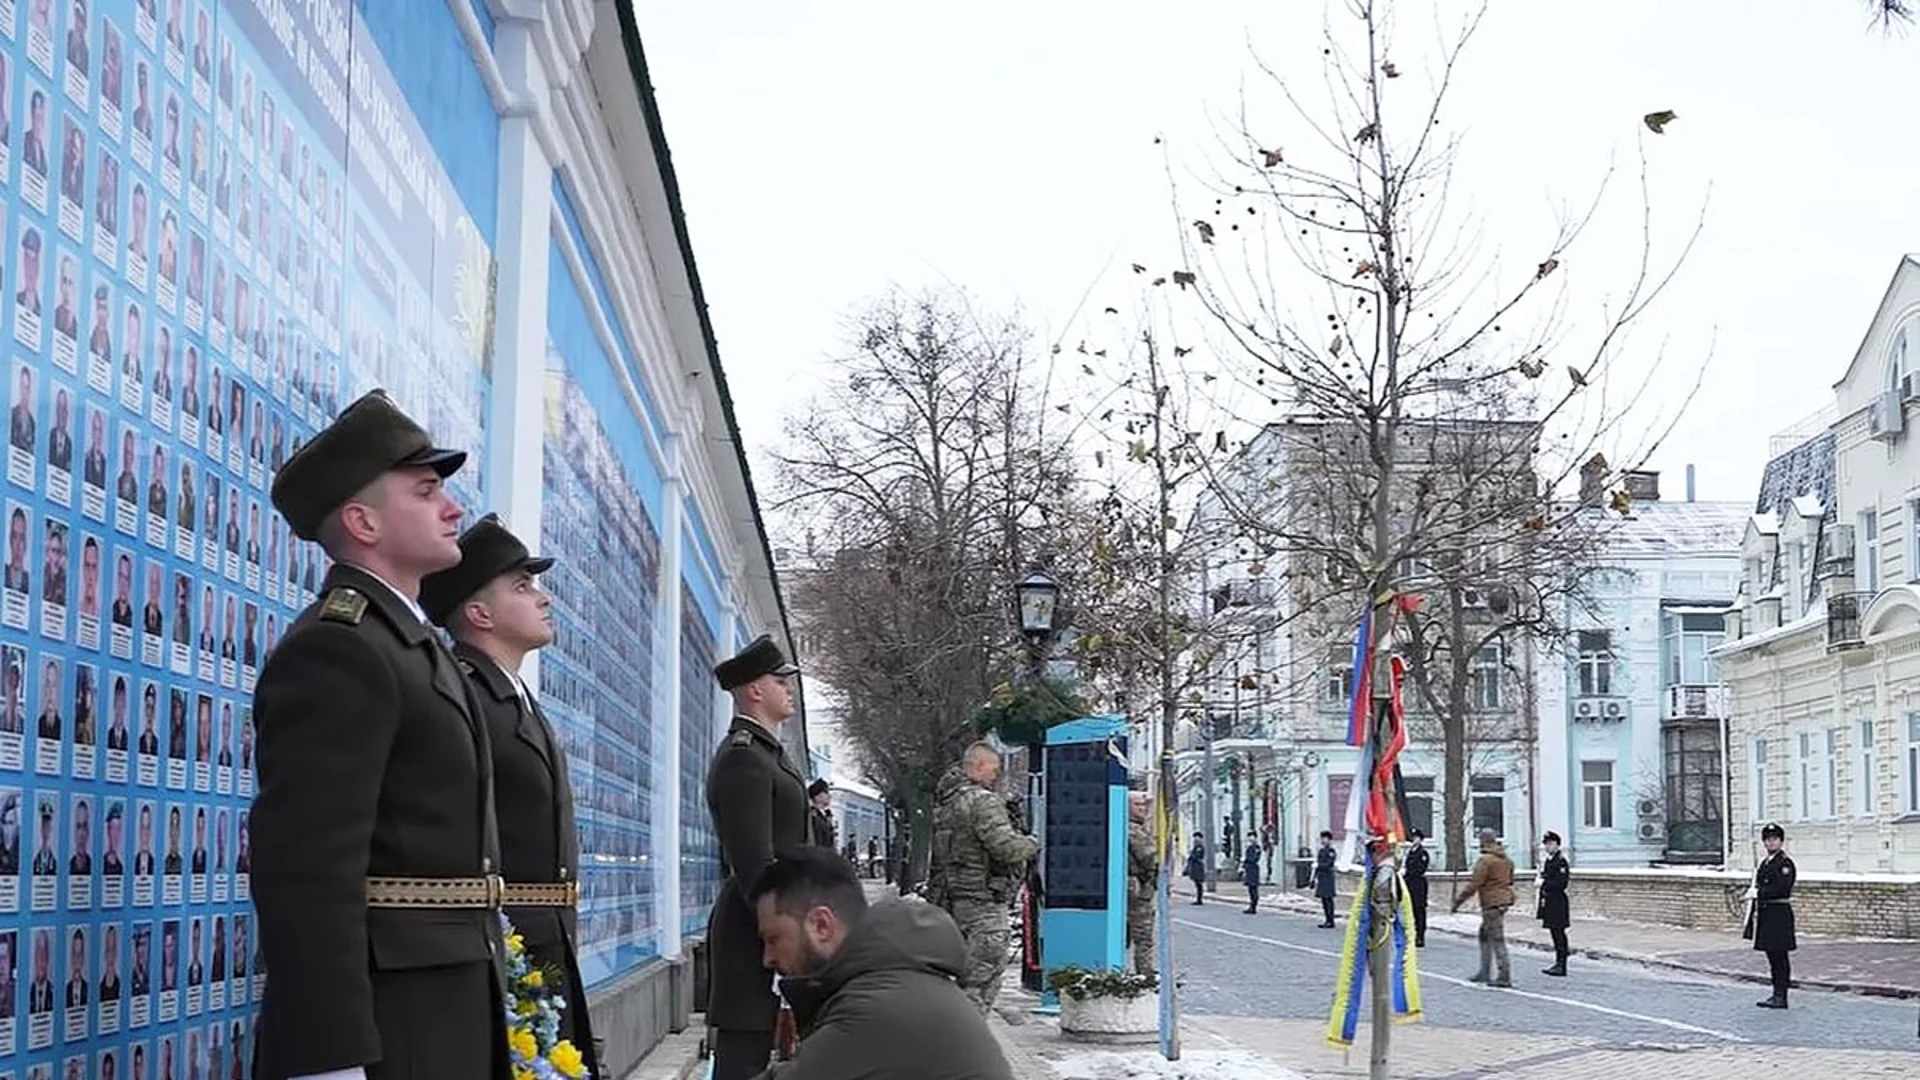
column 1690, row 637
column 1489, row 804
column 1912, row 757
column 1596, row 663
column 1802, row 779
column 1596, row 794
column 1813, row 776
column 1486, row 676
column 1830, row 786
column 1867, row 536
column 1420, row 803
column 1863, row 768
column 1757, row 781
column 1339, row 685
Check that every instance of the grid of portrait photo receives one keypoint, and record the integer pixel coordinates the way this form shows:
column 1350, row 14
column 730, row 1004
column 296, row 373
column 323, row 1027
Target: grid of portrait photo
column 176, row 244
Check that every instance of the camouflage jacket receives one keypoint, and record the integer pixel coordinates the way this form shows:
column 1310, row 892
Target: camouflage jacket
column 1143, row 863
column 976, row 849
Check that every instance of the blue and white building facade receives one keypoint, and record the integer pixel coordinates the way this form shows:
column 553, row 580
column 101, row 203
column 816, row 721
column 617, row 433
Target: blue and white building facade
column 220, row 220
column 1632, row 710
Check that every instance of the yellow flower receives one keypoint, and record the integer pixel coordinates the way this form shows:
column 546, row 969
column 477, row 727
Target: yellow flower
column 527, row 1008
column 515, row 944
column 567, row 1059
column 535, row 979
column 523, row 1043
column 520, row 1073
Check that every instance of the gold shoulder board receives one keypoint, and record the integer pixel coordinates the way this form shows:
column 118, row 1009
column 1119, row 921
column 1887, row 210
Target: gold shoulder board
column 344, row 605
column 740, row 738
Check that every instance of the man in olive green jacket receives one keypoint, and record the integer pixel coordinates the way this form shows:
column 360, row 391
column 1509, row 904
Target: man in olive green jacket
column 1143, row 882
column 978, row 853
column 1493, row 884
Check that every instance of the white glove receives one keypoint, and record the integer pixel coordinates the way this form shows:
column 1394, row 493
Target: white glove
column 355, row 1073
column 1752, row 892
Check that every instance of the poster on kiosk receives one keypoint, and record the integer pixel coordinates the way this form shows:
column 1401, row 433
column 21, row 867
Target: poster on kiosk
column 1084, row 846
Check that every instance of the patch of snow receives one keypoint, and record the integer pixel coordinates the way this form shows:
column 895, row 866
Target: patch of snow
column 1149, row 1065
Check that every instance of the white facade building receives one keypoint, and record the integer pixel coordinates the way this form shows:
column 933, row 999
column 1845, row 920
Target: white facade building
column 1824, row 668
column 1630, row 712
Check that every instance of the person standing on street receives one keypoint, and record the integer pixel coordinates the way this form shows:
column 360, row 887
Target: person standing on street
column 1493, row 884
column 820, row 814
column 980, row 856
column 375, row 850
column 494, row 607
column 1143, row 883
column 758, row 801
column 872, row 985
column 1250, row 873
column 1418, row 860
column 1197, row 868
column 1770, row 918
column 1325, row 879
column 1554, row 911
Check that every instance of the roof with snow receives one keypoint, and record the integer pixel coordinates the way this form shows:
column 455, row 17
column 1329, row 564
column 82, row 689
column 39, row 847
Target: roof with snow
column 1679, row 528
column 1805, row 470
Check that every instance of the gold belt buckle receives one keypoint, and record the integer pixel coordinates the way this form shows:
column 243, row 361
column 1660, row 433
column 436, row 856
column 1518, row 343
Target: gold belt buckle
column 496, row 891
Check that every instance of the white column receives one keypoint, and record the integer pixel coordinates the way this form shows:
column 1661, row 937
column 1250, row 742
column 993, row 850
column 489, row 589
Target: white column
column 666, row 698
column 1553, row 771
column 516, row 414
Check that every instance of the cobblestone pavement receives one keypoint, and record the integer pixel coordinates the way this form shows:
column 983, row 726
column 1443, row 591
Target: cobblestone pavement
column 1879, row 967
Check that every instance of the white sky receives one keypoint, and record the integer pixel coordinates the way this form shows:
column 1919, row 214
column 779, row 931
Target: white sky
column 827, row 150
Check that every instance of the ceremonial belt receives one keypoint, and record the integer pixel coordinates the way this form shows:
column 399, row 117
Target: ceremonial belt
column 490, row 892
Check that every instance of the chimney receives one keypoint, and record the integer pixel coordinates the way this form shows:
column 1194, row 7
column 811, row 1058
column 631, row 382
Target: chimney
column 1593, row 482
column 1689, row 483
column 1643, row 485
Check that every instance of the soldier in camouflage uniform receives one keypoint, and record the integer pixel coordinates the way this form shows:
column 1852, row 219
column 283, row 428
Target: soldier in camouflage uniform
column 1143, row 880
column 979, row 859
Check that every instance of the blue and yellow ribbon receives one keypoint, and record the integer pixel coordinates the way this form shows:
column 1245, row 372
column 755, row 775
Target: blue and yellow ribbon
column 1403, row 977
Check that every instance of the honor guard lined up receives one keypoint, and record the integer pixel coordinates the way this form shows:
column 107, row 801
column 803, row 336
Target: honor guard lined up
column 376, row 855
column 494, row 607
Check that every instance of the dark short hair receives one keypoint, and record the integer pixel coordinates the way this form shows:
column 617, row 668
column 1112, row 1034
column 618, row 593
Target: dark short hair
column 818, row 787
column 808, row 877
column 1326, row 834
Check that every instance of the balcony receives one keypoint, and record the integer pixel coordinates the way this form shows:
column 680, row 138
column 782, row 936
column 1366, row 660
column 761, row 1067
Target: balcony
column 1696, row 701
column 1844, row 612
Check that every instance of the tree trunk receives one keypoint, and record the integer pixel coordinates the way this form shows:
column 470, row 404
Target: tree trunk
column 919, row 841
column 1457, row 798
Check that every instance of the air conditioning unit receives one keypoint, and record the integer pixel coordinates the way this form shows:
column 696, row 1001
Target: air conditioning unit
column 1652, row 832
column 1473, row 599
column 1650, row 826
column 1648, row 809
column 1586, row 710
column 1600, row 710
column 1886, row 416
column 1614, row 710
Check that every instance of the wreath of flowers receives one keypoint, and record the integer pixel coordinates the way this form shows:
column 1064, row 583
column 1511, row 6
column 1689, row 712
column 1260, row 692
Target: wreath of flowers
column 533, row 1018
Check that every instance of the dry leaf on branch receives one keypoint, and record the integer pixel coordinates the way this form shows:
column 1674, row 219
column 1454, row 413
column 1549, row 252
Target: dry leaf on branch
column 1159, row 281
column 1657, row 121
column 1546, row 268
column 1334, row 346
column 1181, row 350
column 1183, row 278
column 1363, row 268
column 1113, row 311
column 1369, row 133
column 1532, row 369
column 1272, row 158
column 1579, row 377
column 1206, row 231
column 1537, row 522
column 1621, row 503
column 1138, row 269
column 1387, row 69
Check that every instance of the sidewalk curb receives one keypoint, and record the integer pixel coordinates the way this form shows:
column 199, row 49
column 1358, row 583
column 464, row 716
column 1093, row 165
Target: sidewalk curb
column 1296, row 905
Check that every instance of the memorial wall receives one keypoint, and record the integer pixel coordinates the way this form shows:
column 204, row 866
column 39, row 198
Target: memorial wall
column 223, row 220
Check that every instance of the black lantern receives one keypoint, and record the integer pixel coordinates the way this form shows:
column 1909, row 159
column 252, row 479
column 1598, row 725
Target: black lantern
column 1039, row 598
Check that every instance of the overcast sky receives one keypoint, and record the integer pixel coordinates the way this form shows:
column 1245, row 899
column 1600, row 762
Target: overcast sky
column 829, row 150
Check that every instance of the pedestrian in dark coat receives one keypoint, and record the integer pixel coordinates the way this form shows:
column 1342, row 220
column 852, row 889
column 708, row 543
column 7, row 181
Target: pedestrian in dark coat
column 1324, row 878
column 375, row 775
column 1197, row 868
column 496, row 610
column 1250, row 873
column 1553, row 911
column 1418, row 861
column 1770, row 918
column 820, row 828
column 758, row 801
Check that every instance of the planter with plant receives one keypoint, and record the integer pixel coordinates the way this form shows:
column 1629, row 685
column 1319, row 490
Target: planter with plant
column 1108, row 1005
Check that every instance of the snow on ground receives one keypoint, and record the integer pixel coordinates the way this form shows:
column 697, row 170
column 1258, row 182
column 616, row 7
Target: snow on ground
column 1147, row 1064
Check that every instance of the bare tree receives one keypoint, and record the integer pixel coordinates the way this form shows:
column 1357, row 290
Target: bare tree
column 922, row 482
column 1424, row 401
column 1889, row 14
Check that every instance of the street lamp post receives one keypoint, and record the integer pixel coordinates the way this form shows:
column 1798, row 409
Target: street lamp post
column 1037, row 602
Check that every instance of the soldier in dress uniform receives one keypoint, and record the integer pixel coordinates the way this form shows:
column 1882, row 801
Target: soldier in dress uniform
column 1770, row 919
column 494, row 607
column 759, row 805
column 375, row 850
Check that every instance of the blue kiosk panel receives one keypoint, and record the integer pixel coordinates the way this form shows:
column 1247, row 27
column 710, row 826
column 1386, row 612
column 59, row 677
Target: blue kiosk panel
column 1084, row 923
